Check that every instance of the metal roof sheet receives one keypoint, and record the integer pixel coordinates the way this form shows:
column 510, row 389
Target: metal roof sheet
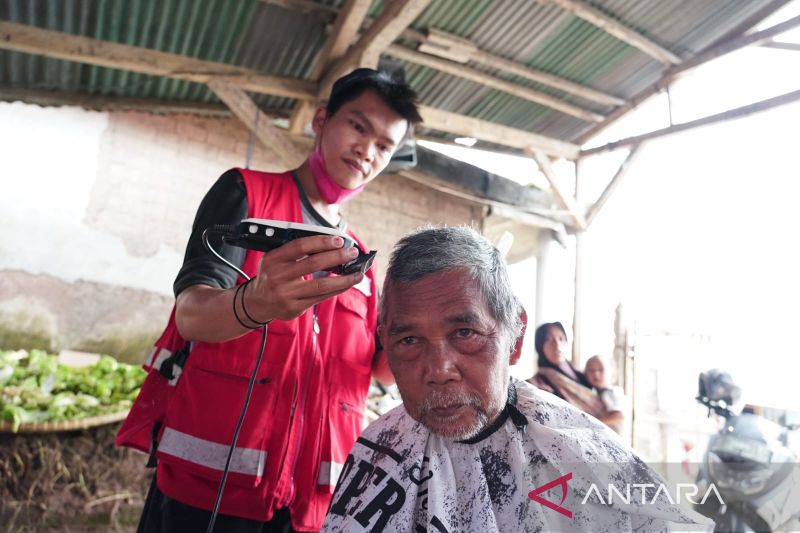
column 282, row 41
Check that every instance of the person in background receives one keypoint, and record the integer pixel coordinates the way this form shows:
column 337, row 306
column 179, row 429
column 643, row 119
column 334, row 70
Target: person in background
column 556, row 374
column 307, row 401
column 613, row 398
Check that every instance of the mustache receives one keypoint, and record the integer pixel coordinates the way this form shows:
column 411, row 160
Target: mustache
column 440, row 399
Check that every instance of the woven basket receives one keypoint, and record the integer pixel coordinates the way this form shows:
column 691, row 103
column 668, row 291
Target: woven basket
column 65, row 425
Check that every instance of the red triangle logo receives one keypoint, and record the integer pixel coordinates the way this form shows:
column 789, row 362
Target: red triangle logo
column 558, row 482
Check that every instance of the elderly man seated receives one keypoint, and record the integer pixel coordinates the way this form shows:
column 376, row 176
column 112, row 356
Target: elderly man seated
column 470, row 449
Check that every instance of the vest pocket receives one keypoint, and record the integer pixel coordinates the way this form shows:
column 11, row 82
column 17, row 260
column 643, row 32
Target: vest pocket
column 346, row 419
column 355, row 338
column 200, row 424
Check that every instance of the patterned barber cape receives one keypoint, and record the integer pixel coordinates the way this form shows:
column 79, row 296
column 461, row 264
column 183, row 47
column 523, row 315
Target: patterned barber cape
column 543, row 466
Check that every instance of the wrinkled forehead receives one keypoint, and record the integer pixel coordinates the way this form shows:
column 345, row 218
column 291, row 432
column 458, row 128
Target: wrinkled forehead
column 448, row 293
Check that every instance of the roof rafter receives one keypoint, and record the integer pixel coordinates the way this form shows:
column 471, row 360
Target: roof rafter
column 273, row 138
column 342, row 35
column 731, row 114
column 723, row 47
column 395, row 18
column 438, row 119
column 463, row 71
column 32, row 40
column 566, row 201
column 27, row 39
column 479, row 56
column 613, row 27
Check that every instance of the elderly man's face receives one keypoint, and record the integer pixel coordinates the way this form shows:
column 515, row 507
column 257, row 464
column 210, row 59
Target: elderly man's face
column 448, row 354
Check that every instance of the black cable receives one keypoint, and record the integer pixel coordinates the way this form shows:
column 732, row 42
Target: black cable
column 250, row 384
column 239, row 424
column 219, row 230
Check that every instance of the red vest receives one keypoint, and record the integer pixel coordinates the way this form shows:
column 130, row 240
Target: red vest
column 307, row 406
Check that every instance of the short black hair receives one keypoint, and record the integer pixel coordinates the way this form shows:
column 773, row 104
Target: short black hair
column 396, row 93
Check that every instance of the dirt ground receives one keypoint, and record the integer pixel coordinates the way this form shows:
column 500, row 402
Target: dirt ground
column 70, row 482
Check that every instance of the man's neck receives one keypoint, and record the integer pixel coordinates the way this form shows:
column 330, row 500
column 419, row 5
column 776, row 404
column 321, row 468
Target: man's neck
column 329, row 212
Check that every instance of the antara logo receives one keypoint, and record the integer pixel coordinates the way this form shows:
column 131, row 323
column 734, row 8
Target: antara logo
column 625, row 495
column 558, row 482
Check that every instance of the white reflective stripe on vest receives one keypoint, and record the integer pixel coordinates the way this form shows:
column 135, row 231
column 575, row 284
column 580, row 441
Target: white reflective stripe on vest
column 211, row 454
column 150, row 359
column 159, row 357
column 329, row 473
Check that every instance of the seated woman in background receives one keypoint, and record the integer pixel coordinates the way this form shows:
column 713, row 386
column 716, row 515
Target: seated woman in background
column 613, row 398
column 556, row 374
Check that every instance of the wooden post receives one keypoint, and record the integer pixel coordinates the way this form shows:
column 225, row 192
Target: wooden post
column 577, row 317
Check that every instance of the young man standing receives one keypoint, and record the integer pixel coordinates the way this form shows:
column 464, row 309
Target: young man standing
column 307, row 403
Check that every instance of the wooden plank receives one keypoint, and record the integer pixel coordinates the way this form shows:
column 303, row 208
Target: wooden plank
column 778, row 45
column 437, row 119
column 27, row 39
column 395, row 18
column 564, row 199
column 344, row 31
column 272, row 137
column 518, row 69
column 514, row 213
column 302, row 114
column 671, row 74
column 462, row 71
column 731, row 114
column 753, row 20
column 30, row 40
column 743, row 41
column 623, row 169
column 620, row 31
column 473, row 53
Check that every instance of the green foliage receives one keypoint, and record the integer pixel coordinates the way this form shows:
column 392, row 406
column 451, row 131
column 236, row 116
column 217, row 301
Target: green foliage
column 34, row 387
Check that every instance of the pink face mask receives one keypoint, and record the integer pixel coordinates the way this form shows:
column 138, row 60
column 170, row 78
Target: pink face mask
column 331, row 192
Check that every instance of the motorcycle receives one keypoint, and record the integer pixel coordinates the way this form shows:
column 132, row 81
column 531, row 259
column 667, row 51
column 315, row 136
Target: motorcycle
column 750, row 464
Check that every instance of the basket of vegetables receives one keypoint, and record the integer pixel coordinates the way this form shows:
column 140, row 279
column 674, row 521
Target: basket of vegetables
column 39, row 394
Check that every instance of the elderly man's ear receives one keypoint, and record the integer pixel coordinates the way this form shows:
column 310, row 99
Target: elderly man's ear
column 516, row 352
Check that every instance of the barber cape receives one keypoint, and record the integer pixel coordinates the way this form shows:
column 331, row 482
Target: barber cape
column 542, row 466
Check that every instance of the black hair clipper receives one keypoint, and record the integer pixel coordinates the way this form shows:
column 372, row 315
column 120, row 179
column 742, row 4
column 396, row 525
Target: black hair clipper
column 265, row 235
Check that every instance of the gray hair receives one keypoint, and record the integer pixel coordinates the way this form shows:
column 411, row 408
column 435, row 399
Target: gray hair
column 429, row 250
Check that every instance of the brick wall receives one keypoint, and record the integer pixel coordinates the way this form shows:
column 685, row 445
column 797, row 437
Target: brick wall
column 69, row 275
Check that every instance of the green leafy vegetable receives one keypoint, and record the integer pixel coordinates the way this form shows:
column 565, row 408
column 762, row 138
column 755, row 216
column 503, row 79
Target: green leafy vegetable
column 35, row 387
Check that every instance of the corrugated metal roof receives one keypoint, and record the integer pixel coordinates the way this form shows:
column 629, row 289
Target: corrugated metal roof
column 278, row 40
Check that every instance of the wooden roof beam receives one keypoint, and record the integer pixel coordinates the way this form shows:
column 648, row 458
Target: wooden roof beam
column 27, row 39
column 613, row 27
column 539, row 76
column 519, row 214
column 31, row 40
column 731, row 114
column 477, row 55
column 395, row 17
column 344, row 32
column 779, row 45
column 592, row 212
column 462, row 71
column 273, row 138
column 566, row 201
column 723, row 46
column 438, row 119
